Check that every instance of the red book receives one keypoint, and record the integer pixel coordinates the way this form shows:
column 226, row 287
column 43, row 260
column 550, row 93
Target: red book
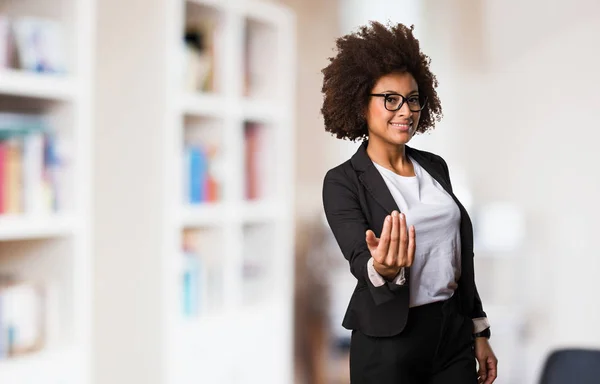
column 3, row 181
column 252, row 149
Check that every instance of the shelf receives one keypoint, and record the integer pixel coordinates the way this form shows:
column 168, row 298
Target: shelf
column 203, row 105
column 217, row 4
column 216, row 106
column 261, row 110
column 49, row 367
column 35, row 85
column 190, row 326
column 39, row 246
column 261, row 211
column 265, row 12
column 22, row 227
column 244, row 242
column 203, row 215
column 259, row 10
column 216, row 213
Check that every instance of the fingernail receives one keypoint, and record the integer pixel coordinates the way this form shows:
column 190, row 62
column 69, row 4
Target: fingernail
column 387, row 218
column 395, row 213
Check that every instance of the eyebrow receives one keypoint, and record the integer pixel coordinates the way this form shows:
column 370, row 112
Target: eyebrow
column 397, row 93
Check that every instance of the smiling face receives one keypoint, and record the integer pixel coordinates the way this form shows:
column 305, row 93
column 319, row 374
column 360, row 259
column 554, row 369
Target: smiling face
column 392, row 128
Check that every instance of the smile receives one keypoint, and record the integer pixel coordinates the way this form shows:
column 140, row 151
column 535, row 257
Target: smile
column 403, row 126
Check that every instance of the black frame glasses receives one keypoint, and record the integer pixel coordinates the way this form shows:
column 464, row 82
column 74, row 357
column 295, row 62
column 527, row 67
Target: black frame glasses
column 412, row 107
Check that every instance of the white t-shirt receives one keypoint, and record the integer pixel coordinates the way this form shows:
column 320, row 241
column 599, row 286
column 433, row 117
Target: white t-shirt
column 436, row 217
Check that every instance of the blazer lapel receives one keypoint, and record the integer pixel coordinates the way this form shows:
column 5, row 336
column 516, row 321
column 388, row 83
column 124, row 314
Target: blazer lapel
column 431, row 168
column 372, row 180
column 376, row 186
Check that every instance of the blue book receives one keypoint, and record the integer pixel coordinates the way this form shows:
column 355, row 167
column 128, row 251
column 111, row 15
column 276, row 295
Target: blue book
column 193, row 167
column 198, row 167
column 191, row 284
column 51, row 164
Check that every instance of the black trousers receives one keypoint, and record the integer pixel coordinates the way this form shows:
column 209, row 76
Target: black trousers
column 436, row 347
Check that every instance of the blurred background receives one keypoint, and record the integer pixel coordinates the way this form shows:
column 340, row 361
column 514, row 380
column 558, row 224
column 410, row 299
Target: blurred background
column 161, row 166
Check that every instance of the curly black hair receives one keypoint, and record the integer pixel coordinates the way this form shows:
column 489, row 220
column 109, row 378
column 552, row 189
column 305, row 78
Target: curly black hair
column 363, row 57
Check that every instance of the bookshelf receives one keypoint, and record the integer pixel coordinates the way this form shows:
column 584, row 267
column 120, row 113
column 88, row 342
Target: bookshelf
column 240, row 237
column 18, row 227
column 31, row 85
column 45, row 128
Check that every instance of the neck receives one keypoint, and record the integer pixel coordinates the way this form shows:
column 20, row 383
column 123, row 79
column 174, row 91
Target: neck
column 388, row 155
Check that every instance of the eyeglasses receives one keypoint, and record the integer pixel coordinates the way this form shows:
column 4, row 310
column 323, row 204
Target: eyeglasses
column 394, row 101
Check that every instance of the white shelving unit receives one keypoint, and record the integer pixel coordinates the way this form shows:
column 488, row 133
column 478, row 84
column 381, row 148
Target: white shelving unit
column 22, row 227
column 247, row 337
column 53, row 87
column 53, row 249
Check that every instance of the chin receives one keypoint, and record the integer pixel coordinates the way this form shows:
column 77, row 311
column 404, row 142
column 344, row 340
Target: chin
column 391, row 138
column 400, row 139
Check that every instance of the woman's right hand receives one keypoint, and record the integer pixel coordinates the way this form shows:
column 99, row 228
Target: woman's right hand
column 395, row 249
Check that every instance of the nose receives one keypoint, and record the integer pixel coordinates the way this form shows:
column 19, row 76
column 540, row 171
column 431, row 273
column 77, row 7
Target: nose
column 404, row 110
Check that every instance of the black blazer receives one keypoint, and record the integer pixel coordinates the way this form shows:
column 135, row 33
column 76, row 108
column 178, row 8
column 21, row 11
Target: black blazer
column 356, row 198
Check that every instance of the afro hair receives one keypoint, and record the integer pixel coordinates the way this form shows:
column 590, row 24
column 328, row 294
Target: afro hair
column 363, row 57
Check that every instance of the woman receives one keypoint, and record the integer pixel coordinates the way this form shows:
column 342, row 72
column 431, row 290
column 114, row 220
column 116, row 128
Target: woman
column 415, row 314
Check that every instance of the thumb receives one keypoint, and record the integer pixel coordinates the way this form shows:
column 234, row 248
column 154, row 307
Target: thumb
column 371, row 239
column 482, row 372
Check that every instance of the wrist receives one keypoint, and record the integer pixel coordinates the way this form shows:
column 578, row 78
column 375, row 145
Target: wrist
column 483, row 335
column 386, row 272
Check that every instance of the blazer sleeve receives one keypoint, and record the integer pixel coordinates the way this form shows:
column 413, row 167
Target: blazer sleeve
column 349, row 225
column 477, row 305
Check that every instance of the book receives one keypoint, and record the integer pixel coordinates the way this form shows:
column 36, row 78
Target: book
column 13, row 182
column 197, row 174
column 33, row 174
column 31, row 167
column 199, row 56
column 201, row 268
column 260, row 162
column 22, row 319
column 251, row 141
column 201, row 174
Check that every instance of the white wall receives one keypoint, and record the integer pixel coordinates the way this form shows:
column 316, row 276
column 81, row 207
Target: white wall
column 356, row 13
column 316, row 150
column 436, row 41
column 528, row 81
